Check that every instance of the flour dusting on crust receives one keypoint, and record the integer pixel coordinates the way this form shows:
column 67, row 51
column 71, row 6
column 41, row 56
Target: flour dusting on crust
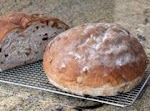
column 96, row 45
column 100, row 60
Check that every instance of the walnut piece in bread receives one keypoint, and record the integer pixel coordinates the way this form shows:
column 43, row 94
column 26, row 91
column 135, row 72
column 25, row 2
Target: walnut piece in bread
column 23, row 37
column 97, row 59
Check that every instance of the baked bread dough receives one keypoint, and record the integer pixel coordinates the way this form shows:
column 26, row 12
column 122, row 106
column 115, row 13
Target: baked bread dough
column 96, row 59
column 24, row 37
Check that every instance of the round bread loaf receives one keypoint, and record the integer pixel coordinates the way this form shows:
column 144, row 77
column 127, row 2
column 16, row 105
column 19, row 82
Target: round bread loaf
column 96, row 59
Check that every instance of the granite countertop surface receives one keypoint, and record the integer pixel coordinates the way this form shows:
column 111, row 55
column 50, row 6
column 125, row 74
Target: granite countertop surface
column 132, row 14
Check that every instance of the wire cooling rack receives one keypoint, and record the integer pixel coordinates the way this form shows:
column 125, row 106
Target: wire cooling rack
column 32, row 76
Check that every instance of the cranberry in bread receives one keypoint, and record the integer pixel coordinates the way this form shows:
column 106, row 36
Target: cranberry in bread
column 23, row 37
column 96, row 59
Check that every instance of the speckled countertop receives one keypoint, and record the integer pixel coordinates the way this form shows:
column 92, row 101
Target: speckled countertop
column 132, row 14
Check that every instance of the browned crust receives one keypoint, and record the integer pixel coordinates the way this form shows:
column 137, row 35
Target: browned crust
column 95, row 77
column 22, row 20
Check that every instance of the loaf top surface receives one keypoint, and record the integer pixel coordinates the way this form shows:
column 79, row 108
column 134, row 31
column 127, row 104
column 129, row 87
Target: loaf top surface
column 98, row 53
column 22, row 20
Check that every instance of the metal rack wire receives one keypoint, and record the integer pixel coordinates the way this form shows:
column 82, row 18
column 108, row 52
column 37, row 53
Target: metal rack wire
column 33, row 76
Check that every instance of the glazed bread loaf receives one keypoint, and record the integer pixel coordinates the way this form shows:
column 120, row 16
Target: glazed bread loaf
column 23, row 37
column 96, row 59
